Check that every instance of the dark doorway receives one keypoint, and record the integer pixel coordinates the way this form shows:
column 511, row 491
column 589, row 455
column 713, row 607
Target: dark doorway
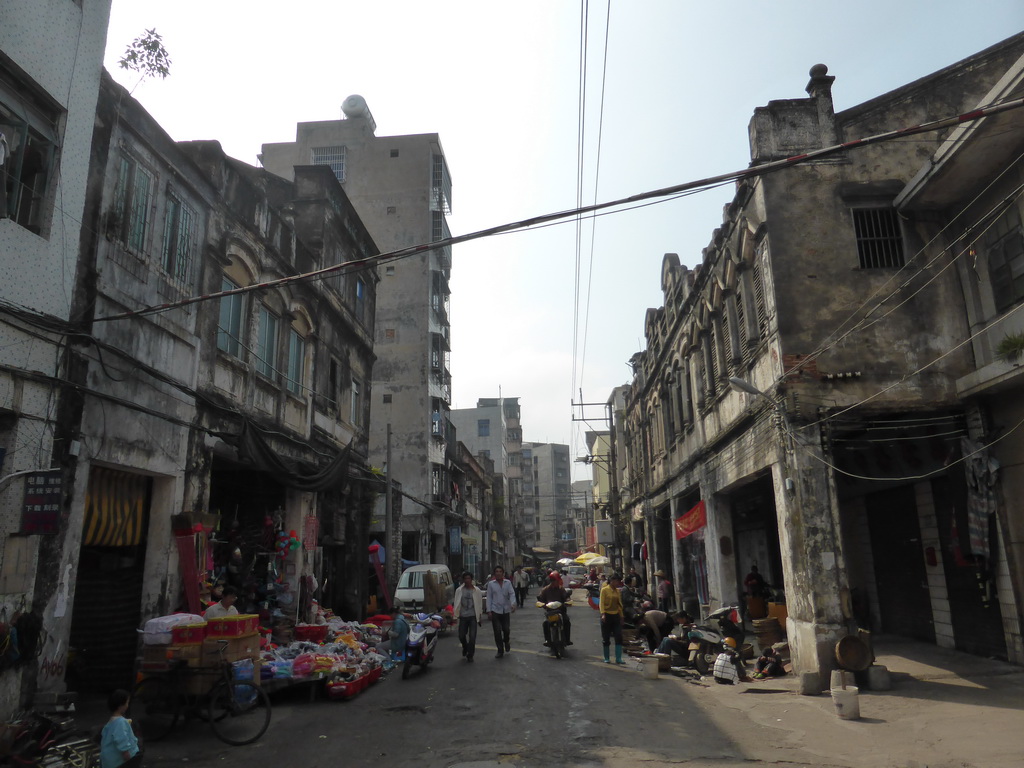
column 904, row 602
column 755, row 527
column 973, row 603
column 108, row 584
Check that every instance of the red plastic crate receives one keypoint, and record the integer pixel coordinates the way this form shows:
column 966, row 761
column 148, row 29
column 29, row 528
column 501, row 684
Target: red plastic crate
column 232, row 626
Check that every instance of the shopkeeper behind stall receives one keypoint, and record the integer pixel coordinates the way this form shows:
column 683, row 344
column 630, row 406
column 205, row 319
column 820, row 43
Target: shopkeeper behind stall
column 226, row 606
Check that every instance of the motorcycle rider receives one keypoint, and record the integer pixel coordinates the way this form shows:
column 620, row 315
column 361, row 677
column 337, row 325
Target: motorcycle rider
column 555, row 592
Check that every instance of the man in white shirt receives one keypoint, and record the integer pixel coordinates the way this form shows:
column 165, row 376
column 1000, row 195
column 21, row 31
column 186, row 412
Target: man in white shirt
column 501, row 603
column 226, row 606
column 469, row 610
column 521, row 582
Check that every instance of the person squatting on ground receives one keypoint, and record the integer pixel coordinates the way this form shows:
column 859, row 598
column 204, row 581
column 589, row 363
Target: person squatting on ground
column 555, row 592
column 611, row 617
column 728, row 669
column 469, row 610
column 119, row 746
column 521, row 584
column 501, row 603
column 768, row 664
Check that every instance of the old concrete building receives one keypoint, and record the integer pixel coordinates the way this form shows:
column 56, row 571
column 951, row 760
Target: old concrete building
column 802, row 389
column 401, row 188
column 966, row 203
column 207, row 429
column 50, row 60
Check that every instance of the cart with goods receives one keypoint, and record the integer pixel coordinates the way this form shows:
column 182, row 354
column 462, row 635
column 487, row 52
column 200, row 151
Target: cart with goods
column 209, row 671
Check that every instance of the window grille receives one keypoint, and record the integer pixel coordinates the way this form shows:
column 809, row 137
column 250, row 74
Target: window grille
column 743, row 333
column 131, row 204
column 266, row 343
column 332, row 156
column 296, row 362
column 879, row 240
column 760, row 305
column 1004, row 244
column 441, row 187
column 355, row 404
column 28, row 125
column 229, row 326
column 179, row 236
column 725, row 345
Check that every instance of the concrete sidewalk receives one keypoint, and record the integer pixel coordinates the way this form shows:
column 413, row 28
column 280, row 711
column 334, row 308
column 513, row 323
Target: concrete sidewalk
column 946, row 709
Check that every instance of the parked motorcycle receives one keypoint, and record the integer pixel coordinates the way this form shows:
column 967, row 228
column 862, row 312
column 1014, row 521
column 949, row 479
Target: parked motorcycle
column 419, row 646
column 707, row 641
column 555, row 621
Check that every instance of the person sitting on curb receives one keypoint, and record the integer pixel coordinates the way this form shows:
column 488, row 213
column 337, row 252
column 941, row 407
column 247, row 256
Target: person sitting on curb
column 768, row 665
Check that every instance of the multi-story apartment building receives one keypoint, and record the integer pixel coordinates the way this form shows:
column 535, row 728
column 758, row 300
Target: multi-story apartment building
column 401, row 188
column 818, row 398
column 50, row 63
column 551, row 472
column 493, row 429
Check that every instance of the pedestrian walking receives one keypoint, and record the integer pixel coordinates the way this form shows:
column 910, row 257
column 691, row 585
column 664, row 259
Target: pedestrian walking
column 469, row 610
column 611, row 617
column 664, row 591
column 501, row 603
column 521, row 584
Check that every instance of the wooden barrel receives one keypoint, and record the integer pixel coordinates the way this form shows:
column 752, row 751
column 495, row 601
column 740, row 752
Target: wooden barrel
column 768, row 632
column 757, row 607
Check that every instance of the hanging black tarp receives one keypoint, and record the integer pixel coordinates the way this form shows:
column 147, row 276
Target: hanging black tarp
column 253, row 448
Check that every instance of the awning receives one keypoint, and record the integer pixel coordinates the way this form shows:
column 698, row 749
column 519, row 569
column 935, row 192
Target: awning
column 543, row 551
column 468, row 539
column 114, row 507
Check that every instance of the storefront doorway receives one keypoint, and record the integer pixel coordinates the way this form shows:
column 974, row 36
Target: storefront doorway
column 108, row 584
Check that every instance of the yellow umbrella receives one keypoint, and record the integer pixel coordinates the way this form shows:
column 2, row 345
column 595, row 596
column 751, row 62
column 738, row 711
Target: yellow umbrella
column 586, row 557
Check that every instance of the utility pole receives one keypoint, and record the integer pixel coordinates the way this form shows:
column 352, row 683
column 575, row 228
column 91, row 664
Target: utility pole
column 391, row 557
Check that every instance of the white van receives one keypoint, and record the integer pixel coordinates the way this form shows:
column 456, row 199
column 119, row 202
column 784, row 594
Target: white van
column 409, row 593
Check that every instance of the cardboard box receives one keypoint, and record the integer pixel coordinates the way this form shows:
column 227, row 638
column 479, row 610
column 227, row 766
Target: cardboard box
column 235, row 649
column 155, row 656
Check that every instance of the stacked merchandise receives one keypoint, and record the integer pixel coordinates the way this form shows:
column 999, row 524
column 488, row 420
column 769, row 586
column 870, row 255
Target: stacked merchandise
column 191, row 640
column 343, row 654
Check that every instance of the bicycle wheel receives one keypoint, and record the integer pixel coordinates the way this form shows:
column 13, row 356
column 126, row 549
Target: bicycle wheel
column 239, row 712
column 155, row 707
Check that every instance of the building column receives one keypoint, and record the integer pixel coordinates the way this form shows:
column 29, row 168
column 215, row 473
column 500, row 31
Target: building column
column 817, row 589
column 720, row 549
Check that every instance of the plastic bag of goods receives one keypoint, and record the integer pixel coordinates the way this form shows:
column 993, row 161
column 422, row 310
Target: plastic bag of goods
column 159, row 631
column 302, row 666
column 242, row 669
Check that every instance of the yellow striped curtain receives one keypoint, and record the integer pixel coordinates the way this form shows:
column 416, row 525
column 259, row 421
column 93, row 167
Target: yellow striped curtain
column 114, row 506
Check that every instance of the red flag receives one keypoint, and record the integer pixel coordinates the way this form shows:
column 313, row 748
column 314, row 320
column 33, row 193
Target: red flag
column 692, row 521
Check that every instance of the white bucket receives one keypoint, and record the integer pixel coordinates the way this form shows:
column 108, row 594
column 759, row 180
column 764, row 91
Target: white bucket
column 847, row 704
column 649, row 667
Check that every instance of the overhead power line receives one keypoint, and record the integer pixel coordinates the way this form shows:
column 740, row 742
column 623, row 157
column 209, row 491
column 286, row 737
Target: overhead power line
column 745, row 173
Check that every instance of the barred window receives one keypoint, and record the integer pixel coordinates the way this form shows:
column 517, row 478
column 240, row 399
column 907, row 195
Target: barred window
column 332, row 156
column 229, row 326
column 879, row 238
column 131, row 203
column 1004, row 244
column 179, row 229
column 266, row 343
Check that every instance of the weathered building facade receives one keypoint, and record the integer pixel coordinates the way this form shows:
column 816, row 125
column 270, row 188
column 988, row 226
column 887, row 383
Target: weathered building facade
column 50, row 61
column 208, row 427
column 799, row 387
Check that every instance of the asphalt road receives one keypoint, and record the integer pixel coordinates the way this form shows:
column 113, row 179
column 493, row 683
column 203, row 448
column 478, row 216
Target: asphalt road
column 525, row 710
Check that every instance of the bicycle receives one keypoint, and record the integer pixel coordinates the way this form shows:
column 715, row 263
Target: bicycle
column 238, row 710
column 41, row 740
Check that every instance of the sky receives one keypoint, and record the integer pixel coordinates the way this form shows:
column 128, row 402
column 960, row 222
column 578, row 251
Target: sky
column 550, row 315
